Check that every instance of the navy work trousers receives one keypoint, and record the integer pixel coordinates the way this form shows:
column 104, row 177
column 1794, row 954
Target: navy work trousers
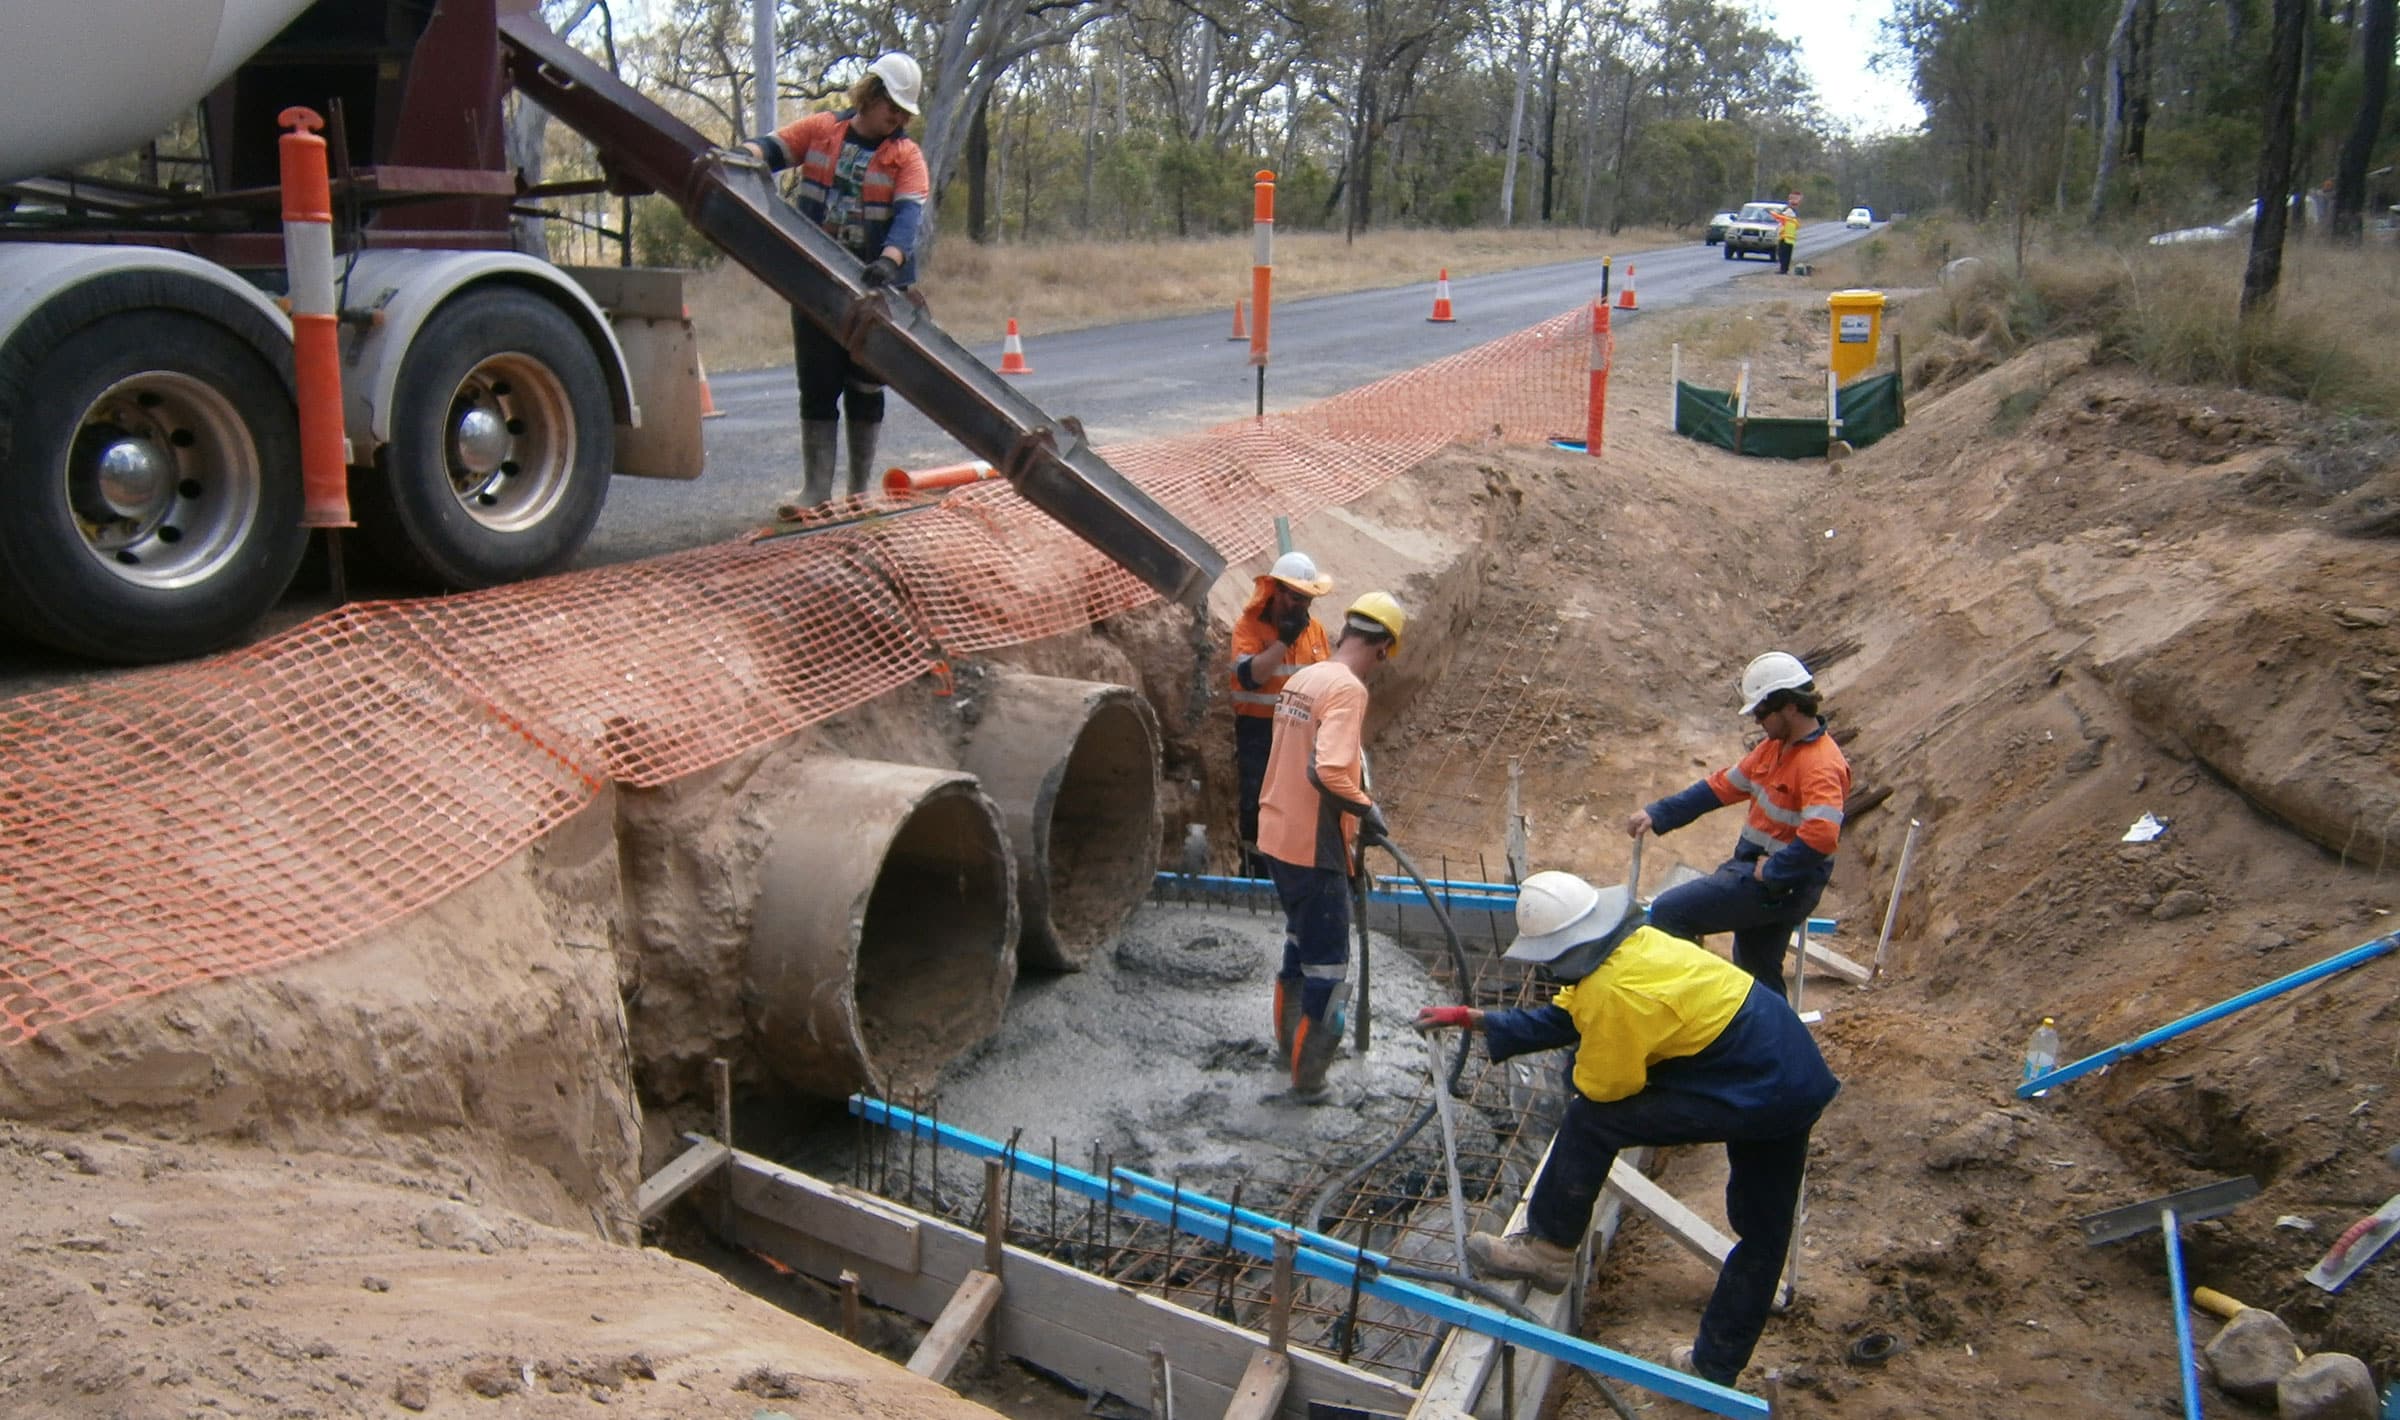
column 1316, row 932
column 1253, row 738
column 832, row 384
column 1761, row 920
column 1767, row 1158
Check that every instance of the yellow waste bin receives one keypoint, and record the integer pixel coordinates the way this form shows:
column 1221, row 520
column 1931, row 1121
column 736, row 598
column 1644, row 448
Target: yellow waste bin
column 1857, row 332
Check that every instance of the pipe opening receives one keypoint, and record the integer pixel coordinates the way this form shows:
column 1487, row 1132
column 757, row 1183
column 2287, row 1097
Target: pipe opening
column 1103, row 828
column 936, row 929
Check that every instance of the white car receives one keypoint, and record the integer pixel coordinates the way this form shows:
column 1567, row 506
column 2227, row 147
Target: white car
column 1859, row 218
column 2226, row 230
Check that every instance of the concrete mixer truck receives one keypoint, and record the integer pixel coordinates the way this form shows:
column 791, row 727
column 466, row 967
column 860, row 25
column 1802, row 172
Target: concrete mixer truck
column 150, row 490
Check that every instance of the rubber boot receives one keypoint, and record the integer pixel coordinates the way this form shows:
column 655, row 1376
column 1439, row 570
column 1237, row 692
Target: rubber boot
column 1314, row 1045
column 820, row 448
column 1522, row 1257
column 863, row 436
column 1287, row 1024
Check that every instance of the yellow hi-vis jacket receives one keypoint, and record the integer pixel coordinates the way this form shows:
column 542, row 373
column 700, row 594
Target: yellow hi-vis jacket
column 1656, row 998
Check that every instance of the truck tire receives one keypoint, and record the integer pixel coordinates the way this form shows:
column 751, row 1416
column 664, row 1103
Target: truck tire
column 502, row 445
column 149, row 490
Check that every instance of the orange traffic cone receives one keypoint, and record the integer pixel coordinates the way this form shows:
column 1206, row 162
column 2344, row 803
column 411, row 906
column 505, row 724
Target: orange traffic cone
column 1012, row 353
column 1625, row 301
column 708, row 402
column 1238, row 332
column 1441, row 298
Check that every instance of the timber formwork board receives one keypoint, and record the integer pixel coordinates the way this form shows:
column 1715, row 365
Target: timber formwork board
column 1050, row 1314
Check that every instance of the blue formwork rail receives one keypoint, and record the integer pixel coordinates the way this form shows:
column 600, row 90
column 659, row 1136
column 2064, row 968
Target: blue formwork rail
column 2340, row 962
column 1318, row 1256
column 1498, row 898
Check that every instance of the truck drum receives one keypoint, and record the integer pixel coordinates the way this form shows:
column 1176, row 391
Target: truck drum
column 149, row 488
column 501, row 449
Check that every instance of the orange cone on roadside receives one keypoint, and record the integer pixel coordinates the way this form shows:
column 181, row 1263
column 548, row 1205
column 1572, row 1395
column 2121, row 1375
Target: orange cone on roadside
column 1441, row 298
column 1625, row 301
column 1012, row 352
column 708, row 402
column 1238, row 332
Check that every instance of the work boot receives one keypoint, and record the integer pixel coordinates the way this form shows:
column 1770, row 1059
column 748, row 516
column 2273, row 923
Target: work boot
column 863, row 437
column 1522, row 1257
column 1287, row 1024
column 1314, row 1045
column 820, row 449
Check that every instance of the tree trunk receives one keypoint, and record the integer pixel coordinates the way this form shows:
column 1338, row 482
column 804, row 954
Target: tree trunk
column 2259, row 278
column 2350, row 170
column 1516, row 121
column 1091, row 149
column 2112, row 107
column 1550, row 137
column 1616, row 201
column 979, row 165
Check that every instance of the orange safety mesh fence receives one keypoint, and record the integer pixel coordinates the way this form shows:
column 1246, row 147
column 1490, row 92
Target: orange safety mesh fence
column 185, row 824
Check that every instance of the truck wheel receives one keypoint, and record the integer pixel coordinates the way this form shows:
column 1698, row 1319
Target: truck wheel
column 150, row 509
column 502, row 444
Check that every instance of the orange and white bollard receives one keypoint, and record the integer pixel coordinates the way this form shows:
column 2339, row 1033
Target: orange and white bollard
column 1603, row 346
column 1012, row 352
column 316, row 324
column 1240, row 332
column 1625, row 301
column 1262, row 264
column 1441, row 298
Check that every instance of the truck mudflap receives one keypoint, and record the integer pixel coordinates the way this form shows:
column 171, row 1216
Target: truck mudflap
column 736, row 207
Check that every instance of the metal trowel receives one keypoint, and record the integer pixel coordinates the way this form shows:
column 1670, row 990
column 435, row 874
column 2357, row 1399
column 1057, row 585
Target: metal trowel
column 2357, row 1247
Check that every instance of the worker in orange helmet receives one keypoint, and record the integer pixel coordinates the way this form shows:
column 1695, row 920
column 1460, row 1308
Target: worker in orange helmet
column 1274, row 636
column 1314, row 815
column 1795, row 782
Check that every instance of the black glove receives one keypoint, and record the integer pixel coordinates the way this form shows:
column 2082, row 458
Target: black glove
column 1372, row 830
column 1292, row 625
column 880, row 272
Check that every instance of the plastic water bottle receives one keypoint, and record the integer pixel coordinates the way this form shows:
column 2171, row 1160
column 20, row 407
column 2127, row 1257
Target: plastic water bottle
column 2041, row 1052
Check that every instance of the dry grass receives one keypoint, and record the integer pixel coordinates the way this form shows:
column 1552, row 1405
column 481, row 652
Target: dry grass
column 2170, row 311
column 974, row 290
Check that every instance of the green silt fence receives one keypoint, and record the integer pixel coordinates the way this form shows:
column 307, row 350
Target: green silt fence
column 1868, row 409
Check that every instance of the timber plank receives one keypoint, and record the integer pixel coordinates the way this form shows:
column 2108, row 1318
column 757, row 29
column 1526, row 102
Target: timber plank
column 954, row 1330
column 1697, row 1235
column 1260, row 1394
column 679, row 1177
column 1054, row 1316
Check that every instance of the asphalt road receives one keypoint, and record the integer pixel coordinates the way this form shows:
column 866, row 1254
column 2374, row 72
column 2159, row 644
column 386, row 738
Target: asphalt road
column 1148, row 378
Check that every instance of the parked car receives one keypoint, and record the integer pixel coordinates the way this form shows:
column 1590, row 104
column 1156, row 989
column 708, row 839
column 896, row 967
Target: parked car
column 1859, row 219
column 1753, row 230
column 1716, row 228
column 2226, row 230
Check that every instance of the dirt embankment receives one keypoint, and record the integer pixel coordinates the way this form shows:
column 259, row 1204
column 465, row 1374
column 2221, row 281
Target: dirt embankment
column 2061, row 598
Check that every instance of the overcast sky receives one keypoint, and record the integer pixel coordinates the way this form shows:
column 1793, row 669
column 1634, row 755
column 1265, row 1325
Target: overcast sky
column 1836, row 39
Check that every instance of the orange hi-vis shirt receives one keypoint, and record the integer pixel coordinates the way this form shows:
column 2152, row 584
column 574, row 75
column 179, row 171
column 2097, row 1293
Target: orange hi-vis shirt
column 1795, row 791
column 1308, row 808
column 1251, row 635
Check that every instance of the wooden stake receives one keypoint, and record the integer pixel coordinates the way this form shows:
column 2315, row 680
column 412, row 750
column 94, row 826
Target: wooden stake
column 1279, row 1300
column 1162, row 1384
column 995, row 1246
column 849, row 1306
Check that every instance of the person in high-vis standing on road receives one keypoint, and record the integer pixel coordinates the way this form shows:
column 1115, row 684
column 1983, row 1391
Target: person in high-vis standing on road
column 1795, row 781
column 864, row 181
column 1274, row 637
column 1787, row 236
column 1313, row 815
column 1672, row 1045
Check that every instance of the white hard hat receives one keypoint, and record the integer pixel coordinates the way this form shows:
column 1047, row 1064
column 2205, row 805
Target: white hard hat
column 902, row 80
column 1558, row 912
column 1776, row 670
column 1298, row 571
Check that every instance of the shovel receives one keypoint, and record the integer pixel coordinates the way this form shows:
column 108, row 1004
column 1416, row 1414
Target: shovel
column 2167, row 1214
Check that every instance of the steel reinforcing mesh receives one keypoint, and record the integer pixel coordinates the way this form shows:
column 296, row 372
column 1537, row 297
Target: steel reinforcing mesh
column 198, row 821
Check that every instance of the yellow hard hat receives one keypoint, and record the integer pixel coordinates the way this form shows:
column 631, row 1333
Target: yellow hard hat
column 1380, row 610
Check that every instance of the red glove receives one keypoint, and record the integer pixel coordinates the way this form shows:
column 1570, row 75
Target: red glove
column 1441, row 1017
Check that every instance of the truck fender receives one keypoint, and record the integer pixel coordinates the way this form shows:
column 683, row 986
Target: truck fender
column 49, row 289
column 399, row 291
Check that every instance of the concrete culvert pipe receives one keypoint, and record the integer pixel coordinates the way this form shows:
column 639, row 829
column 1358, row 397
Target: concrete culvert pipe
column 1074, row 766
column 883, row 937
